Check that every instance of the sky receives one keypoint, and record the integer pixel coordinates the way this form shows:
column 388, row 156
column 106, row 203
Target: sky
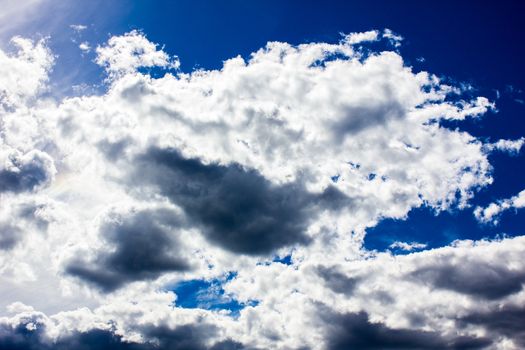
column 262, row 175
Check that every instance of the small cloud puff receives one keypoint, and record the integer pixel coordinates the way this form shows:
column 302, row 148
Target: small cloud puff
column 125, row 54
column 491, row 213
column 84, row 46
column 357, row 38
column 393, row 38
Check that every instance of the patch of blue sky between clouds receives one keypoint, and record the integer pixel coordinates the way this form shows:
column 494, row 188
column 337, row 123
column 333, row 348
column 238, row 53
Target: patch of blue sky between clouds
column 209, row 295
column 423, row 227
column 278, row 259
column 286, row 260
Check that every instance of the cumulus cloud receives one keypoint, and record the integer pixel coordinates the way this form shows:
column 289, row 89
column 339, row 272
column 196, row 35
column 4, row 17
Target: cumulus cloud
column 124, row 54
column 20, row 216
column 355, row 331
column 491, row 213
column 25, row 172
column 239, row 209
column 141, row 246
column 337, row 281
column 24, row 72
column 30, row 334
column 500, row 322
column 393, row 300
column 110, row 201
column 475, row 278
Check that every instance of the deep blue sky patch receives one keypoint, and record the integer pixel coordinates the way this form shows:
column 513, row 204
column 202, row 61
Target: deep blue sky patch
column 425, row 227
column 208, row 295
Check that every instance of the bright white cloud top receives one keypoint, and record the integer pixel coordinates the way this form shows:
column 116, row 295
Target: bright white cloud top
column 111, row 200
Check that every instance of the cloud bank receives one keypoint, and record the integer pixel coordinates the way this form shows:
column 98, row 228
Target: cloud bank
column 268, row 170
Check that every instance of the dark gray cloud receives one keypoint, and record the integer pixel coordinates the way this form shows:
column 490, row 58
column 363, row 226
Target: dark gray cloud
column 145, row 245
column 355, row 331
column 476, row 278
column 185, row 337
column 26, row 174
column 508, row 322
column 337, row 281
column 238, row 209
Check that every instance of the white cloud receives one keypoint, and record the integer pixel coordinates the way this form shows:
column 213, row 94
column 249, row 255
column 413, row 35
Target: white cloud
column 491, row 213
column 509, row 146
column 291, row 148
column 84, row 46
column 427, row 290
column 357, row 38
column 408, row 246
column 395, row 39
column 24, row 72
column 124, row 54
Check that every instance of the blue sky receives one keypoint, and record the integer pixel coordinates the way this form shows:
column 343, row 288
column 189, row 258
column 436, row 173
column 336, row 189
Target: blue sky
column 460, row 40
column 229, row 203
